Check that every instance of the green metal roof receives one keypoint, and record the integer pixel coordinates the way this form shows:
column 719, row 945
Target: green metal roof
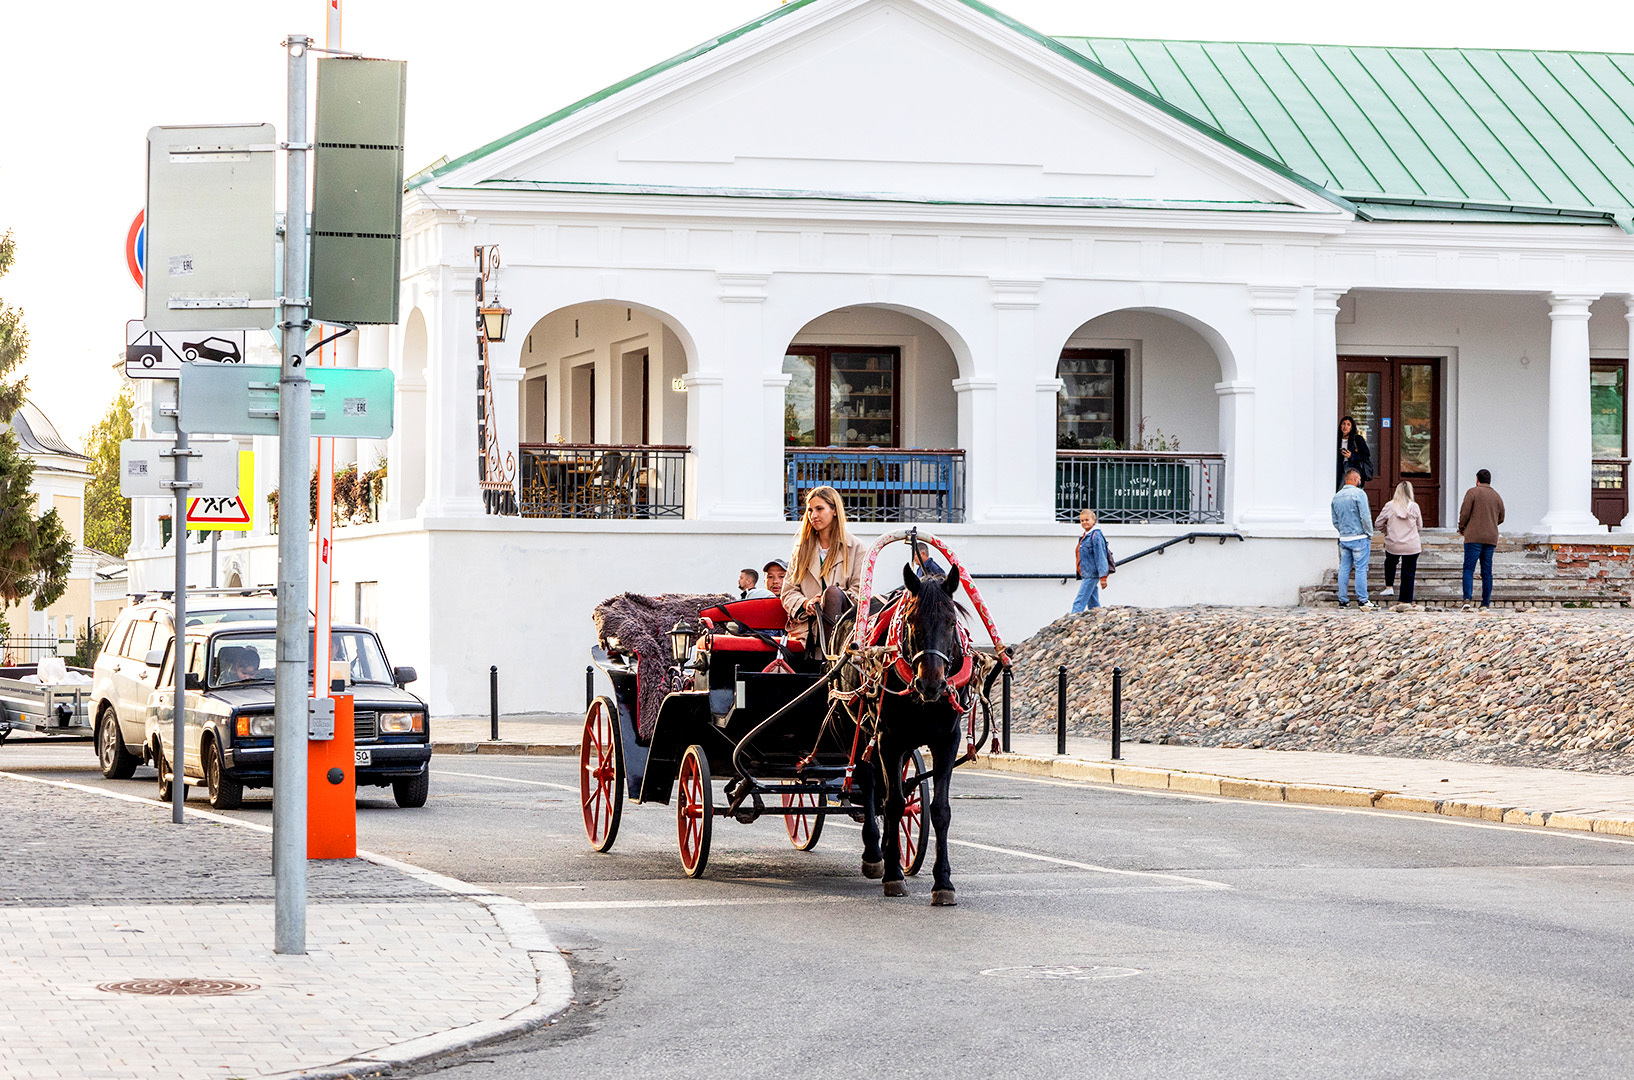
column 1481, row 130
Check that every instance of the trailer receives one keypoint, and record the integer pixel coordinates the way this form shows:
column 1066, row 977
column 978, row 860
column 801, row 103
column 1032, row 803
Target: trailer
column 49, row 708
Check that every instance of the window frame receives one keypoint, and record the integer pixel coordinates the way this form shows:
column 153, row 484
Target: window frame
column 823, row 434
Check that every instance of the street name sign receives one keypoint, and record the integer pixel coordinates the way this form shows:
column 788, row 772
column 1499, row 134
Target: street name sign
column 242, row 399
column 208, row 253
column 235, row 513
column 146, row 469
column 159, row 354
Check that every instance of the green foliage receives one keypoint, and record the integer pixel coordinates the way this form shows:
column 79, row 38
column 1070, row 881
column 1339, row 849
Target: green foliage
column 107, row 513
column 88, row 641
column 357, row 496
column 35, row 552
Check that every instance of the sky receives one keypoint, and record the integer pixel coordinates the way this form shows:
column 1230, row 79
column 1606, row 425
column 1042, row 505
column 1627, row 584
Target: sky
column 82, row 89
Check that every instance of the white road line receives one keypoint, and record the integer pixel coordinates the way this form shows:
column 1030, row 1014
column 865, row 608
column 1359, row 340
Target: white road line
column 720, row 901
column 509, row 780
column 1399, row 815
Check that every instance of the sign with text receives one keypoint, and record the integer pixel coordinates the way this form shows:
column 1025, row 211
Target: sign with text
column 146, row 468
column 233, row 513
column 242, row 399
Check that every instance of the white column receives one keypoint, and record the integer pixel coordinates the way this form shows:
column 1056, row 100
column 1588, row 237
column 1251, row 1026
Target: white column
column 1237, row 440
column 979, row 439
column 749, row 454
column 1571, row 454
column 773, row 398
column 706, row 427
column 1628, row 301
column 1324, row 402
column 1269, row 498
column 1023, row 488
column 451, row 368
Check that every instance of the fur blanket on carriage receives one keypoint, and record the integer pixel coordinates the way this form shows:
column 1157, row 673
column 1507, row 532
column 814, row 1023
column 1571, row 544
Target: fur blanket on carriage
column 642, row 625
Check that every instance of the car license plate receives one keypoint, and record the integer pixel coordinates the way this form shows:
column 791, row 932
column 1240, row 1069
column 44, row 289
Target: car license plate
column 363, row 757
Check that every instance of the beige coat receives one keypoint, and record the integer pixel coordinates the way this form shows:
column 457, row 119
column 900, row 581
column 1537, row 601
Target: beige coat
column 1401, row 528
column 796, row 593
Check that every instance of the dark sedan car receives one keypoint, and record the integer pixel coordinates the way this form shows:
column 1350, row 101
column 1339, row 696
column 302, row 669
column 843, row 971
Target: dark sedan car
column 229, row 716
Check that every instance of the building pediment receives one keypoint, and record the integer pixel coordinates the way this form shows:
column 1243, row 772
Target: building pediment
column 925, row 99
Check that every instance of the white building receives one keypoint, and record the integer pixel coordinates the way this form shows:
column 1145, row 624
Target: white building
column 957, row 250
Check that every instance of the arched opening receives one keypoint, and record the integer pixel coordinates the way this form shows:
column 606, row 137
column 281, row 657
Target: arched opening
column 406, row 471
column 1138, row 431
column 603, row 413
column 870, row 409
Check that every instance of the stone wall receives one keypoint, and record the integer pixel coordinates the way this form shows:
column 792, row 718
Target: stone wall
column 1527, row 689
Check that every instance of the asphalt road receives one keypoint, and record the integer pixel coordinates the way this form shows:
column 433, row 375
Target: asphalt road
column 1100, row 932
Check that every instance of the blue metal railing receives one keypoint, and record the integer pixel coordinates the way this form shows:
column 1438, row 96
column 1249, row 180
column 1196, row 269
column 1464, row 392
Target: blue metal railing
column 881, row 485
column 1127, row 487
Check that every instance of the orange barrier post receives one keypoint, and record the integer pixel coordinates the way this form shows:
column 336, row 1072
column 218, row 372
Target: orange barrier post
column 331, row 789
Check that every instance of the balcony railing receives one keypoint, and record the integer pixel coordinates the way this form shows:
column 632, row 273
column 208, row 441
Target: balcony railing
column 881, row 485
column 564, row 480
column 1124, row 486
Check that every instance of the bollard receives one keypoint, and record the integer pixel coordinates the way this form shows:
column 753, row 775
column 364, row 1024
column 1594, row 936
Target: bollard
column 1006, row 710
column 493, row 702
column 1117, row 713
column 1061, row 710
column 589, row 686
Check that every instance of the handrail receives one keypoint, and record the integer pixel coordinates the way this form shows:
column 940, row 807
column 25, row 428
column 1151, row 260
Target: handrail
column 1158, row 549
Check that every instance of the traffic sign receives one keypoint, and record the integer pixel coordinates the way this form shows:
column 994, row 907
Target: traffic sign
column 159, row 354
column 235, row 513
column 136, row 247
column 146, row 468
column 242, row 399
column 162, row 417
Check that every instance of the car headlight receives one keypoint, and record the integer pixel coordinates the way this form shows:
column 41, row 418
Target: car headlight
column 255, row 727
column 401, row 723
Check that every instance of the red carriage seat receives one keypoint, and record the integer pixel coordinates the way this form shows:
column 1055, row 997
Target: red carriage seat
column 763, row 613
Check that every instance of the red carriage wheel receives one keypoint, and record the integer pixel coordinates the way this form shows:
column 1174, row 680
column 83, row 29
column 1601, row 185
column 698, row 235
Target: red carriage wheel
column 911, row 832
column 804, row 829
column 694, row 811
column 601, row 774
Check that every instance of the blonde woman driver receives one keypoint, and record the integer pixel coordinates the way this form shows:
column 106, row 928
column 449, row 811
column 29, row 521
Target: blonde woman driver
column 825, row 572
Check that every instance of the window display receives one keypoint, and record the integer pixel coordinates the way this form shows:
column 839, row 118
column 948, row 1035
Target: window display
column 1089, row 409
column 842, row 395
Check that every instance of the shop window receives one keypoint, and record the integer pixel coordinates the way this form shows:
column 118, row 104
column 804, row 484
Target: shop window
column 842, row 395
column 1090, row 413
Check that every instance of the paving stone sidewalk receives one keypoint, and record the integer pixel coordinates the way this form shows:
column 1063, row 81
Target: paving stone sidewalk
column 400, row 965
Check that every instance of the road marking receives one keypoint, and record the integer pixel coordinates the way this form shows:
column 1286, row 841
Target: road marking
column 1093, row 867
column 509, row 780
column 721, row 901
column 1399, row 815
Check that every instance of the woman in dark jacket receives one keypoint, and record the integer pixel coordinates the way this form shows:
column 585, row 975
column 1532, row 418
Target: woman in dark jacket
column 1352, row 453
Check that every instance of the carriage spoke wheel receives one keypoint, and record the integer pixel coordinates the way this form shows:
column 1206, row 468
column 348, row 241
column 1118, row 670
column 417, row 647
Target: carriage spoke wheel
column 911, row 831
column 601, row 775
column 804, row 829
column 694, row 811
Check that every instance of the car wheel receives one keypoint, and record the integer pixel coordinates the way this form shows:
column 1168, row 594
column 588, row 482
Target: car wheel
column 191, row 354
column 411, row 793
column 163, row 766
column 225, row 792
column 117, row 762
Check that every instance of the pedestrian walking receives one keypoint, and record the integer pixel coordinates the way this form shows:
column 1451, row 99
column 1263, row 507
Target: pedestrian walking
column 1350, row 515
column 1353, row 453
column 1478, row 521
column 1401, row 520
column 1091, row 563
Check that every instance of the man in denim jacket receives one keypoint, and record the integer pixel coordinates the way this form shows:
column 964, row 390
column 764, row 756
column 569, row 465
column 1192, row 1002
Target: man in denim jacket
column 1352, row 517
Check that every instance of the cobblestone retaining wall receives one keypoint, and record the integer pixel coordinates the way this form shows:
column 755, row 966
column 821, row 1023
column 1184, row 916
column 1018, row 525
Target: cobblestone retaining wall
column 1528, row 689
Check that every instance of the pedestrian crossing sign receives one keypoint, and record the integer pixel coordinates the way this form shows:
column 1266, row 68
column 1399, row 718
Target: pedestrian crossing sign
column 236, row 513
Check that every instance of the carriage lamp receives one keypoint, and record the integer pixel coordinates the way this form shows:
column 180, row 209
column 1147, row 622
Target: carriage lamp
column 495, row 321
column 681, row 637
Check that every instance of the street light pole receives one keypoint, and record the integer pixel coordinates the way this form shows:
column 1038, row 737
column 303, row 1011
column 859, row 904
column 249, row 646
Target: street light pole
column 294, row 467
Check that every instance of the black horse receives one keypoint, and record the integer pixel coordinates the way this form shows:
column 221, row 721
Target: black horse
column 915, row 715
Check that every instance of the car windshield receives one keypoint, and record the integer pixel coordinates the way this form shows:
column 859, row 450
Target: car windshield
column 247, row 658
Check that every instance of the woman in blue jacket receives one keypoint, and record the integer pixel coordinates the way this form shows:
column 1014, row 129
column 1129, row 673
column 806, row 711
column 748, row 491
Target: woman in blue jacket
column 1092, row 564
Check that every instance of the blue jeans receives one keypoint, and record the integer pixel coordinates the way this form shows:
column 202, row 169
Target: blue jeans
column 1089, row 594
column 1483, row 554
column 1354, row 556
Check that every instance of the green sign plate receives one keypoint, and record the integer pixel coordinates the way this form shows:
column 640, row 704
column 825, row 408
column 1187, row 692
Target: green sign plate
column 242, row 399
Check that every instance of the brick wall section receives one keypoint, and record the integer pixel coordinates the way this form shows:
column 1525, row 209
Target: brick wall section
column 1593, row 561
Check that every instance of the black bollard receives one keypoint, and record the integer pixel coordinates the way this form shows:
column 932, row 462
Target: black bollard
column 1061, row 710
column 589, row 686
column 493, row 702
column 1117, row 713
column 1006, row 710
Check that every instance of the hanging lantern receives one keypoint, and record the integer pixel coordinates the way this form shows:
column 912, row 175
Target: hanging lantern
column 495, row 321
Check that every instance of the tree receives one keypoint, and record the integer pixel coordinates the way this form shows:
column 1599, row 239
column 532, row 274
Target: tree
column 35, row 552
column 107, row 513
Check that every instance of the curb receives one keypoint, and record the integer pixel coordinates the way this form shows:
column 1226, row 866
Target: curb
column 515, row 749
column 1233, row 787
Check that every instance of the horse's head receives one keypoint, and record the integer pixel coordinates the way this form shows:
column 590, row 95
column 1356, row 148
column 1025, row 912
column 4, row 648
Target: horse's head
column 930, row 632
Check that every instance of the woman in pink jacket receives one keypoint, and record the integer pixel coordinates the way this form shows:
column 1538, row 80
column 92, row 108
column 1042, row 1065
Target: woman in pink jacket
column 1401, row 520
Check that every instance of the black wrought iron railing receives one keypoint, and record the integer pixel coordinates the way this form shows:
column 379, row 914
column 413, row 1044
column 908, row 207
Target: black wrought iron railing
column 564, row 480
column 880, row 485
column 1124, row 486
column 27, row 650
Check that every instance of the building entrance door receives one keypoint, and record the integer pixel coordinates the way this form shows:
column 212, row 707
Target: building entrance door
column 1608, row 411
column 1396, row 403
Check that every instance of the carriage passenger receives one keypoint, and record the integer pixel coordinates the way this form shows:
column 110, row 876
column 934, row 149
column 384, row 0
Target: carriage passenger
column 825, row 576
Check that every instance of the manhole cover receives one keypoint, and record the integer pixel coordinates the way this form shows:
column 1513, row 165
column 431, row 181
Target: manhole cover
column 1061, row 971
column 178, row 987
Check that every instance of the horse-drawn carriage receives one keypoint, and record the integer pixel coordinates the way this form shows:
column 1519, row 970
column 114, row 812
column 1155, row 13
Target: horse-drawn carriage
column 718, row 694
